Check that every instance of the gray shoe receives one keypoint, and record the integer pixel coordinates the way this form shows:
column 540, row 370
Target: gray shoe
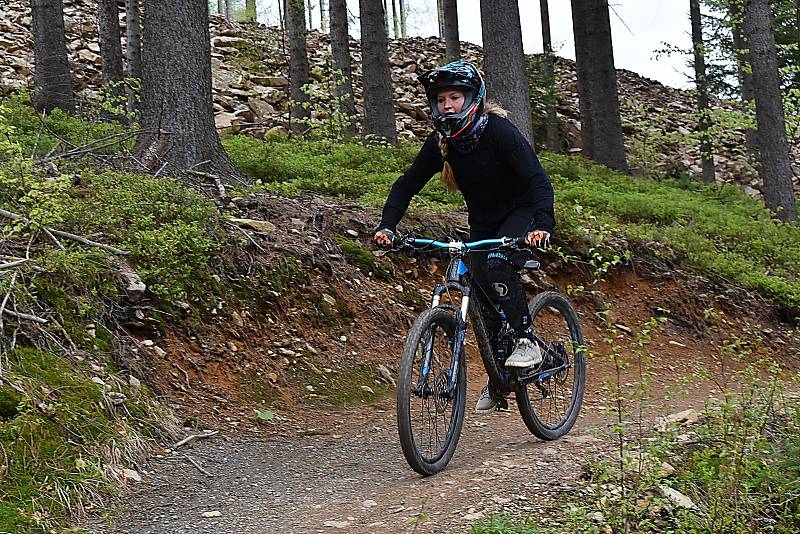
column 527, row 354
column 485, row 402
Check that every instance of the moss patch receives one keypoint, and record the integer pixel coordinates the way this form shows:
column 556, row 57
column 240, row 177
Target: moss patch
column 60, row 442
column 348, row 386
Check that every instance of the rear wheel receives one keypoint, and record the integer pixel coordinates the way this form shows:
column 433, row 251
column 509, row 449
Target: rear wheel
column 429, row 416
column 550, row 406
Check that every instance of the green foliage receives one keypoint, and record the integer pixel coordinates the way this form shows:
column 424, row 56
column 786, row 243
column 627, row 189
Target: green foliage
column 603, row 216
column 344, row 170
column 65, row 438
column 327, row 120
column 39, row 134
column 714, row 228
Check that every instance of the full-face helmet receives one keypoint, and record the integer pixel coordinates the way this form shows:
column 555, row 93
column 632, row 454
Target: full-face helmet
column 457, row 75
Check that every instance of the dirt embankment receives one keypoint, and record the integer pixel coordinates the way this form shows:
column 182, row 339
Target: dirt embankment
column 293, row 369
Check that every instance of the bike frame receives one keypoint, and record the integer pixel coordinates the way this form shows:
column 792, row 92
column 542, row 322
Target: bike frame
column 453, row 281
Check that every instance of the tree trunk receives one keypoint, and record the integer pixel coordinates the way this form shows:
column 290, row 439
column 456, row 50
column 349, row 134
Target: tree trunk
column 706, row 143
column 133, row 49
column 323, row 10
column 597, row 74
column 177, row 114
column 310, row 11
column 386, row 18
column 745, row 74
column 582, row 61
column 551, row 122
column 340, row 51
column 52, row 82
column 377, row 80
column 773, row 150
column 451, row 42
column 250, row 12
column 298, row 61
column 506, row 76
column 403, row 32
column 230, row 10
column 281, row 16
column 110, row 47
column 440, row 16
column 395, row 20
column 220, row 7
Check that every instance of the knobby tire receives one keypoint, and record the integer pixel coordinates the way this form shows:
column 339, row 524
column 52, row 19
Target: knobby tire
column 433, row 322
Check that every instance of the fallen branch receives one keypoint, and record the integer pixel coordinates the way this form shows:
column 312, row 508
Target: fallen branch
column 223, row 194
column 11, row 264
column 67, row 235
column 26, row 317
column 193, row 437
column 5, row 299
column 198, row 466
column 248, row 236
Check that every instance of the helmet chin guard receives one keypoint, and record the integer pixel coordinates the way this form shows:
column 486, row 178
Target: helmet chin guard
column 459, row 75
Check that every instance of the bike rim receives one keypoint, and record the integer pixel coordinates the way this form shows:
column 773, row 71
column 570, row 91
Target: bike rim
column 552, row 398
column 432, row 413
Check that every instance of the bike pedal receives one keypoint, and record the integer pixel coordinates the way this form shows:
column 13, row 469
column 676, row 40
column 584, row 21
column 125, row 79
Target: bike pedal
column 502, row 406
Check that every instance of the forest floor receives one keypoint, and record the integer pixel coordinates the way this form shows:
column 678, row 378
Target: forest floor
column 327, row 462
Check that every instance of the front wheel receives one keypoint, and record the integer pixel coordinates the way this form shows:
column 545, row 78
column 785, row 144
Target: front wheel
column 430, row 406
column 550, row 404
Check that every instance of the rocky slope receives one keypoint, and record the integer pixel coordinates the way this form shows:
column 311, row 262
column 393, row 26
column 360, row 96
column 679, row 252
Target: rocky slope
column 250, row 88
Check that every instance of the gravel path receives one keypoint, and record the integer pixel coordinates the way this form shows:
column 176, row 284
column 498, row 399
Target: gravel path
column 354, row 482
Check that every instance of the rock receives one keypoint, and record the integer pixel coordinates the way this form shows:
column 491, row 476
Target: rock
column 677, row 498
column 369, row 503
column 224, row 120
column 131, row 474
column 159, row 351
column 134, row 382
column 270, row 81
column 237, row 319
column 135, row 287
column 386, row 375
column 99, row 381
column 597, row 517
column 211, row 513
column 255, row 224
column 368, row 389
column 688, row 417
column 337, row 524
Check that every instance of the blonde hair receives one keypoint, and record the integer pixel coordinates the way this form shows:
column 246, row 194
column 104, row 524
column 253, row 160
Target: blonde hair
column 448, row 176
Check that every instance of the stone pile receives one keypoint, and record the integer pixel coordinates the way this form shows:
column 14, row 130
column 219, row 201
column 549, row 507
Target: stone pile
column 249, row 69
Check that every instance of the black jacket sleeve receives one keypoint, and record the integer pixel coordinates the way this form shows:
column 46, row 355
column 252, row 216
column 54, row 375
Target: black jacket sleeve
column 427, row 163
column 538, row 195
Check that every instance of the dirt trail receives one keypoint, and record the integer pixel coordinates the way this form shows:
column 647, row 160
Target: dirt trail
column 354, row 478
column 357, row 482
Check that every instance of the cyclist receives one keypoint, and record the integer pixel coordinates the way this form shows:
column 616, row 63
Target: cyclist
column 506, row 189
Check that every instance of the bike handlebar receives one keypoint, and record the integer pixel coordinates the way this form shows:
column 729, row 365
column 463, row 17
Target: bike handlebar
column 459, row 247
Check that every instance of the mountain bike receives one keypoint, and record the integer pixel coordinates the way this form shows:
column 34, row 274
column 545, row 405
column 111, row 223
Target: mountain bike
column 432, row 380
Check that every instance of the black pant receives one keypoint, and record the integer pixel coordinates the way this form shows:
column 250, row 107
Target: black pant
column 496, row 277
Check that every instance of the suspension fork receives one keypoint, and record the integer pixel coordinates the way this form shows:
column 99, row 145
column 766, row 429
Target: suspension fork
column 457, row 344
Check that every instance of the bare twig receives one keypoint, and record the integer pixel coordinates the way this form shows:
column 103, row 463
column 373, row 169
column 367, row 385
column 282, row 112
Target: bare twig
column 5, row 299
column 11, row 264
column 185, row 374
column 193, row 437
column 248, row 236
column 198, row 466
column 25, row 316
column 53, row 238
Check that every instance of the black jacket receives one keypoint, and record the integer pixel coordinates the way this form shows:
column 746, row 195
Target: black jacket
column 502, row 174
